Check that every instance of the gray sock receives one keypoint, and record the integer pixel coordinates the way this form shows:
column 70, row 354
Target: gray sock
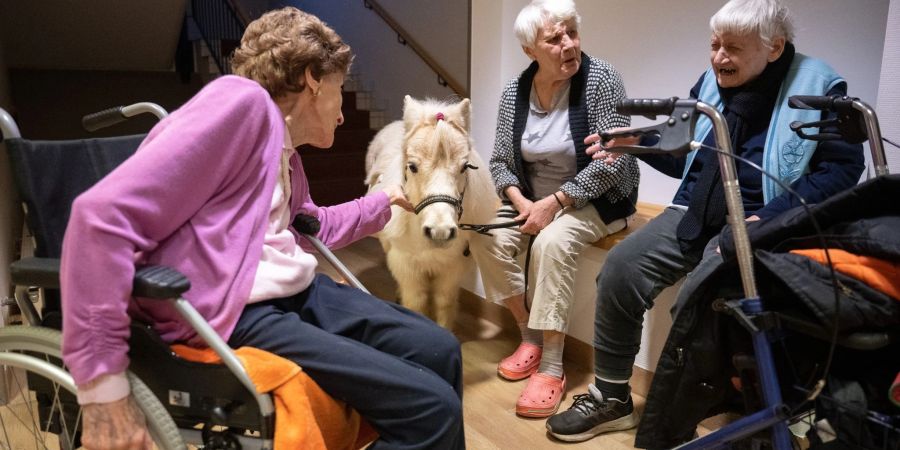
column 612, row 389
column 552, row 360
column 531, row 336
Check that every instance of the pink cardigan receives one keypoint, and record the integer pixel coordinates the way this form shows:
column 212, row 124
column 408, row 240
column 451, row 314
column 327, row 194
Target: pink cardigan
column 195, row 197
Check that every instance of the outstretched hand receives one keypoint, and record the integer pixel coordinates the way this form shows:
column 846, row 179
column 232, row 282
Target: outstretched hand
column 398, row 197
column 118, row 425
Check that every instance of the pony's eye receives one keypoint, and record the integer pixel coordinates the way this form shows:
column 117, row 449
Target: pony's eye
column 412, row 167
column 468, row 166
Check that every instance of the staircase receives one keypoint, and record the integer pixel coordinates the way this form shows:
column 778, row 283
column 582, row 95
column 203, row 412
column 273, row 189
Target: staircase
column 336, row 174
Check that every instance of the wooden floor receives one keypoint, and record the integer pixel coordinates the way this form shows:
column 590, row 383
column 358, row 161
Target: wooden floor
column 488, row 400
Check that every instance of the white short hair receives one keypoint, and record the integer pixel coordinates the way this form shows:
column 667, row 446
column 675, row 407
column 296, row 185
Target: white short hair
column 533, row 17
column 768, row 19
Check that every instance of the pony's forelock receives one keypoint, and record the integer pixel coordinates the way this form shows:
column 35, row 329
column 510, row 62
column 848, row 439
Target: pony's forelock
column 445, row 118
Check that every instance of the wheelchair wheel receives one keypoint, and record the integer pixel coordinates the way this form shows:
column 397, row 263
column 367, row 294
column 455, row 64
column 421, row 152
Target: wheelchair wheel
column 38, row 408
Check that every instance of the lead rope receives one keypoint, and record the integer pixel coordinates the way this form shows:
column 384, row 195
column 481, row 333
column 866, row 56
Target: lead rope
column 485, row 228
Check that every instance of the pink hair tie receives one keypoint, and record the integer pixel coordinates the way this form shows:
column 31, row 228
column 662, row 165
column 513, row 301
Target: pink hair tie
column 439, row 116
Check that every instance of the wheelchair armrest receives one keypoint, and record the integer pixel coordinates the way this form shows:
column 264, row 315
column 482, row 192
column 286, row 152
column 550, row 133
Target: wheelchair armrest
column 38, row 272
column 159, row 282
column 149, row 281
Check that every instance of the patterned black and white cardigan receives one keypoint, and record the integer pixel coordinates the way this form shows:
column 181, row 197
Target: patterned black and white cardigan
column 593, row 94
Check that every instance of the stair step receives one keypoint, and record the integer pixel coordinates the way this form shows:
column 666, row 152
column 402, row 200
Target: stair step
column 320, row 164
column 378, row 119
column 355, row 119
column 349, row 100
column 336, row 174
column 349, row 141
column 334, row 191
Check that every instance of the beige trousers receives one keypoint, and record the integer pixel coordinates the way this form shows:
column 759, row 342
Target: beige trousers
column 551, row 271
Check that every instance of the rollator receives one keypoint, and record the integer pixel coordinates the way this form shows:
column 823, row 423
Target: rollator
column 855, row 122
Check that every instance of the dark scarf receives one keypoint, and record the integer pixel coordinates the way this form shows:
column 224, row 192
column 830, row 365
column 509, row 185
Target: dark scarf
column 747, row 109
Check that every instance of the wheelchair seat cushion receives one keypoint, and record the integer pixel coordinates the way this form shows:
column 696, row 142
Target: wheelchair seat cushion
column 305, row 416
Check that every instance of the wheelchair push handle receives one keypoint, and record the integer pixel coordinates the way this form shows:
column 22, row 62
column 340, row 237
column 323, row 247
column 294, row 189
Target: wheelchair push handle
column 309, row 226
column 112, row 116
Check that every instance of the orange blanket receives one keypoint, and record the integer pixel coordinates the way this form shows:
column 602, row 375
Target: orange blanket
column 305, row 416
column 881, row 275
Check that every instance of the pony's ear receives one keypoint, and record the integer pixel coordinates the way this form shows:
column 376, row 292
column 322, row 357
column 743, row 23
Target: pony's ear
column 412, row 112
column 463, row 113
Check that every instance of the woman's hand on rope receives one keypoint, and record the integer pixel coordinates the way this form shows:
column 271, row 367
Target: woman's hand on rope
column 542, row 213
column 398, row 197
column 520, row 202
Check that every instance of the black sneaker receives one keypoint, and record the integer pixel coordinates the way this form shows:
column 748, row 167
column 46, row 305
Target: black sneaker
column 591, row 415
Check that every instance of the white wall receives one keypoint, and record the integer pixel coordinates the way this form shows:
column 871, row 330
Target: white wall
column 889, row 88
column 660, row 47
column 390, row 70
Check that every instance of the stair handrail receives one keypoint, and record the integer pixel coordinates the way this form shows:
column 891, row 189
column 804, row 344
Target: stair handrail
column 218, row 20
column 404, row 38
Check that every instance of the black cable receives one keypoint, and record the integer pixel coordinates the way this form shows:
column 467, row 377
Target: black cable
column 890, row 142
column 834, row 285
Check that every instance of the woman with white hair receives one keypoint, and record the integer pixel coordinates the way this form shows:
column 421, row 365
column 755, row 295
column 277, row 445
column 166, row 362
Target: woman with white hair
column 754, row 69
column 546, row 179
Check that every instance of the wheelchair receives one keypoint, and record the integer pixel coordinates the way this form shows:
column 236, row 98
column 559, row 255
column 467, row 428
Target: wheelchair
column 772, row 405
column 212, row 406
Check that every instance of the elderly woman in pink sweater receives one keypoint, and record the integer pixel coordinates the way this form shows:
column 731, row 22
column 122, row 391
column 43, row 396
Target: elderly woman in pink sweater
column 212, row 192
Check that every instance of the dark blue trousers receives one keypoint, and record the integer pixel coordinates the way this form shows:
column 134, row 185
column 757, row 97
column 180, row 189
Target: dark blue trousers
column 401, row 372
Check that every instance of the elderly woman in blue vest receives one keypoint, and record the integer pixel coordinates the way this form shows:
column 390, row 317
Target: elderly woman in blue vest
column 754, row 71
column 567, row 201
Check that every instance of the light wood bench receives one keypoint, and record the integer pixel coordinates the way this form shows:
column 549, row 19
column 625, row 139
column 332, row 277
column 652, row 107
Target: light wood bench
column 645, row 213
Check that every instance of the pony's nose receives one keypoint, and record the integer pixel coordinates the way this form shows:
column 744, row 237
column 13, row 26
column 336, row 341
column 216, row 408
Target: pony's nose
column 447, row 233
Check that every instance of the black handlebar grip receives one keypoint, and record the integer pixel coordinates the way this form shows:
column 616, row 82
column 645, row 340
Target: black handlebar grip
column 820, row 102
column 836, row 103
column 103, row 119
column 307, row 224
column 648, row 107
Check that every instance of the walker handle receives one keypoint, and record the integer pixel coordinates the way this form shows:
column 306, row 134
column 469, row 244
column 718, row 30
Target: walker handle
column 647, row 107
column 672, row 136
column 836, row 103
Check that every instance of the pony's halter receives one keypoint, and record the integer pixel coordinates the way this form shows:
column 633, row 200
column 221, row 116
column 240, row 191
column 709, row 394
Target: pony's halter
column 441, row 198
column 457, row 203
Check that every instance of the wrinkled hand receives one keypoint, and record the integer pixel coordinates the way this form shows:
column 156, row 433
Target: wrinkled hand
column 118, row 425
column 398, row 197
column 598, row 151
column 542, row 213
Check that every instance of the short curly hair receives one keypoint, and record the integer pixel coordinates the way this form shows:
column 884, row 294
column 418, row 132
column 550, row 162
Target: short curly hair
column 277, row 48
